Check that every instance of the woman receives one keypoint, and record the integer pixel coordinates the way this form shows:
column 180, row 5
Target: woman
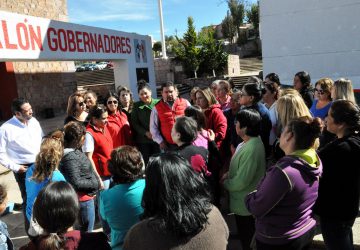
column 90, row 99
column 126, row 100
column 272, row 94
column 343, row 89
column 120, row 206
column 302, row 83
column 183, row 133
column 5, row 240
column 247, row 167
column 214, row 86
column 55, row 210
column 322, row 102
column 140, row 120
column 251, row 95
column 215, row 119
column 177, row 210
column 196, row 113
column 339, row 190
column 283, row 201
column 192, row 95
column 98, row 144
column 224, row 95
column 118, row 124
column 289, row 107
column 45, row 168
column 76, row 108
column 78, row 171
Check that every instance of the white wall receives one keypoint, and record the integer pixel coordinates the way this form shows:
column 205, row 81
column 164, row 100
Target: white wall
column 318, row 36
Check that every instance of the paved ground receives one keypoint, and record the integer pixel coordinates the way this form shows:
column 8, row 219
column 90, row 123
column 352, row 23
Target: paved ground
column 15, row 219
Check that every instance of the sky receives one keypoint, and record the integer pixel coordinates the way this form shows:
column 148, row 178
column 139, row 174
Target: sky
column 142, row 16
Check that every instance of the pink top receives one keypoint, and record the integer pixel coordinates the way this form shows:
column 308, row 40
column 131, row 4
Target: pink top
column 201, row 140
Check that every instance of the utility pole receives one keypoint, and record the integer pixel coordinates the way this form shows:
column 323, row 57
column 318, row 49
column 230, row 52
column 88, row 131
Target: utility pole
column 163, row 46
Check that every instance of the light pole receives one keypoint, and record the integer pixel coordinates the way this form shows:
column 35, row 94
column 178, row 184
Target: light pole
column 163, row 47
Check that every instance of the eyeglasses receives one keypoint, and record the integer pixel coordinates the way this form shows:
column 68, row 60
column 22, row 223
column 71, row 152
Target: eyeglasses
column 111, row 102
column 81, row 104
column 320, row 91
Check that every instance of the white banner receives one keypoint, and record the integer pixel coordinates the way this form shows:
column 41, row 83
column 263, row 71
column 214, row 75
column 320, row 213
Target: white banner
column 25, row 37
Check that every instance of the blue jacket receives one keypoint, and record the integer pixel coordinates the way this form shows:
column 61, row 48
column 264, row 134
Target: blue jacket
column 5, row 241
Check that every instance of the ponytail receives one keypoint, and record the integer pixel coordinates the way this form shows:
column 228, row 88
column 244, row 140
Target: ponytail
column 52, row 241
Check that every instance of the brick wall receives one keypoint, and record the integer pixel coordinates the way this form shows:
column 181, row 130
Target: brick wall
column 45, row 84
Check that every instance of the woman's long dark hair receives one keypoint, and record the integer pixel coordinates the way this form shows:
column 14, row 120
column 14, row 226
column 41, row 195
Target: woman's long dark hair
column 175, row 198
column 56, row 209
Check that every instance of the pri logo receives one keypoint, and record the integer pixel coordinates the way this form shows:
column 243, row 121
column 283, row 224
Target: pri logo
column 140, row 51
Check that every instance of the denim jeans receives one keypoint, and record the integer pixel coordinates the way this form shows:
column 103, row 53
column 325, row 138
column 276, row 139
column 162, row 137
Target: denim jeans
column 20, row 179
column 337, row 234
column 87, row 215
column 105, row 225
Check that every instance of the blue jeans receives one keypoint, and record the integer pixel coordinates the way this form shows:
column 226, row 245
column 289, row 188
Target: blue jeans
column 337, row 234
column 105, row 225
column 87, row 215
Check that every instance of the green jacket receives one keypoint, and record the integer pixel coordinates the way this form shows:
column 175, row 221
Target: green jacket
column 140, row 120
column 247, row 167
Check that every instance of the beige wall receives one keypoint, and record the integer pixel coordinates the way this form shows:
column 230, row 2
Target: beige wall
column 45, row 84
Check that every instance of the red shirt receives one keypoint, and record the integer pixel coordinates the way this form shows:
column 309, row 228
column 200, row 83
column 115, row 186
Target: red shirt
column 119, row 128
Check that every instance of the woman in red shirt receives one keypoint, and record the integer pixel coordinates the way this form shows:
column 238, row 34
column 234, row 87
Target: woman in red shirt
column 118, row 124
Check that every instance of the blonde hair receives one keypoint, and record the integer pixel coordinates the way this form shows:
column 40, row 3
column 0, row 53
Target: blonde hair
column 291, row 106
column 344, row 90
column 289, row 91
column 209, row 96
column 49, row 157
column 326, row 85
column 226, row 85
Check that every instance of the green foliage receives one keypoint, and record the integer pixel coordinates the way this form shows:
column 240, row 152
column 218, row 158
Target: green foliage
column 213, row 57
column 157, row 48
column 171, row 43
column 228, row 28
column 200, row 53
column 237, row 11
column 252, row 15
column 187, row 52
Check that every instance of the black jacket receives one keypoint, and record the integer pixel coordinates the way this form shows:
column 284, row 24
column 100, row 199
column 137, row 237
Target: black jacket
column 339, row 187
column 78, row 171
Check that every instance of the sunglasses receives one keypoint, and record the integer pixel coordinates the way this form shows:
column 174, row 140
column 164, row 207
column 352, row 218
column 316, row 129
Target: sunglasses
column 81, row 104
column 111, row 102
column 320, row 91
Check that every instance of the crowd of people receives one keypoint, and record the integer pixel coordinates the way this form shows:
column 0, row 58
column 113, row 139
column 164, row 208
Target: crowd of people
column 154, row 171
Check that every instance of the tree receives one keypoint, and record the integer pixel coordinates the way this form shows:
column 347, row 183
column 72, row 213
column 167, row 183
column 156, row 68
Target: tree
column 252, row 15
column 214, row 59
column 157, row 48
column 237, row 10
column 188, row 52
column 228, row 28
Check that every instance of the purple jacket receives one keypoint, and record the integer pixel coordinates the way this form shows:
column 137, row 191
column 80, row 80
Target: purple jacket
column 284, row 199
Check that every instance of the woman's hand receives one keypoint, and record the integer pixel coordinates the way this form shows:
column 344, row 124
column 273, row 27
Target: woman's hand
column 211, row 135
column 224, row 177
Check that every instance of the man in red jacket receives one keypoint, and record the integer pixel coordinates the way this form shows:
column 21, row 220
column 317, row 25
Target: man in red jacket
column 164, row 114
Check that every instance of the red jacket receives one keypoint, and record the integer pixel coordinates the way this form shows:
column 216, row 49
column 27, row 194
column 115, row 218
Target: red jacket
column 167, row 116
column 216, row 121
column 119, row 128
column 103, row 145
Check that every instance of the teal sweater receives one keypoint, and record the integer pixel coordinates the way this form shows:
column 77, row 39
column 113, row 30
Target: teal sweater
column 140, row 120
column 247, row 167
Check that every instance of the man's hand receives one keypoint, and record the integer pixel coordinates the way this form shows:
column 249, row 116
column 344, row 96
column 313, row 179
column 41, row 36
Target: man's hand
column 22, row 169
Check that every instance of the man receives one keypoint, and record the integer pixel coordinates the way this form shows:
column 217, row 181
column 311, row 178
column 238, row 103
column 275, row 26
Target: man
column 163, row 115
column 20, row 139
